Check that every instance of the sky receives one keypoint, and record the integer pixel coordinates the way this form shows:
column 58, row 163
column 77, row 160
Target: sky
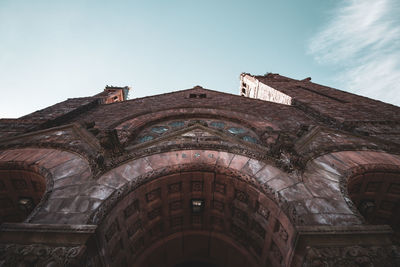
column 53, row 50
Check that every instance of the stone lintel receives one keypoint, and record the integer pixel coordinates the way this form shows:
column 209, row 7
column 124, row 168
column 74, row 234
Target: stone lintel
column 337, row 237
column 28, row 233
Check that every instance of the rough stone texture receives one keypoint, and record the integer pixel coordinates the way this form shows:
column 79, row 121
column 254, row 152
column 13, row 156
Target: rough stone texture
column 262, row 172
column 67, row 177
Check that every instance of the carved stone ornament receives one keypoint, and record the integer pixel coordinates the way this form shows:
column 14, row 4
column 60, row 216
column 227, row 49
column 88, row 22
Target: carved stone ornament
column 352, row 256
column 39, row 255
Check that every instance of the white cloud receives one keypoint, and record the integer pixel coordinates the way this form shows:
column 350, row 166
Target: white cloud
column 363, row 39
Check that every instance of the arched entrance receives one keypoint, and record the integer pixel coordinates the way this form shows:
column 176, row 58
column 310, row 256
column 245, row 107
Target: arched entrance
column 376, row 194
column 204, row 214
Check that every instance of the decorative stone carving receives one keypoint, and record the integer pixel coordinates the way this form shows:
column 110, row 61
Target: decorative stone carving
column 174, row 188
column 241, row 196
column 282, row 233
column 352, row 256
column 109, row 140
column 264, row 212
column 40, row 255
column 197, row 186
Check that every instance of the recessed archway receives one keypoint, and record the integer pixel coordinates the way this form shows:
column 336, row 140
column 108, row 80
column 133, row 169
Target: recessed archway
column 376, row 194
column 20, row 192
column 47, row 177
column 198, row 216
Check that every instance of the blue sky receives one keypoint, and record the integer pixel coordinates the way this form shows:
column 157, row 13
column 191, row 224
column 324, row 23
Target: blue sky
column 54, row 50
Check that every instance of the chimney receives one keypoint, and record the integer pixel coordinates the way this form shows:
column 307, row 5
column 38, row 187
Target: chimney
column 113, row 94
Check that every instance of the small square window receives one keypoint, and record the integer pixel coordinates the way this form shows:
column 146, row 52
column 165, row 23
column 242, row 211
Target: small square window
column 197, row 95
column 197, row 205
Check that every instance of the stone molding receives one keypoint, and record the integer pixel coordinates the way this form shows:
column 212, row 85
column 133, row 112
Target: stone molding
column 72, row 138
column 147, row 118
column 367, row 256
column 28, row 233
column 40, row 255
column 26, row 244
column 316, row 230
column 322, row 140
column 48, row 228
column 341, row 246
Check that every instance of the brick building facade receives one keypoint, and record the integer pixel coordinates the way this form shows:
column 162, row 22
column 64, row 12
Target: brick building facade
column 288, row 173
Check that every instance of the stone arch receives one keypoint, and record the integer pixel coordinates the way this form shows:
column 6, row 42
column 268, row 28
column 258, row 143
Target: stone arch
column 138, row 120
column 328, row 212
column 327, row 178
column 67, row 175
column 24, row 189
column 145, row 176
column 375, row 192
column 127, row 126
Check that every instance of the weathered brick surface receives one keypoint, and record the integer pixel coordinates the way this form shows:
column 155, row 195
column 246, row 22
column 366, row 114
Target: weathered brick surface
column 217, row 103
column 295, row 172
column 332, row 102
column 359, row 114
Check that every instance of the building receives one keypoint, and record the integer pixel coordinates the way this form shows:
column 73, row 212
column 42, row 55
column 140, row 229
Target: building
column 288, row 173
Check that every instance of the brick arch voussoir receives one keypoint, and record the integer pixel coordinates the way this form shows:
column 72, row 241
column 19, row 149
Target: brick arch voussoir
column 326, row 178
column 62, row 171
column 131, row 175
